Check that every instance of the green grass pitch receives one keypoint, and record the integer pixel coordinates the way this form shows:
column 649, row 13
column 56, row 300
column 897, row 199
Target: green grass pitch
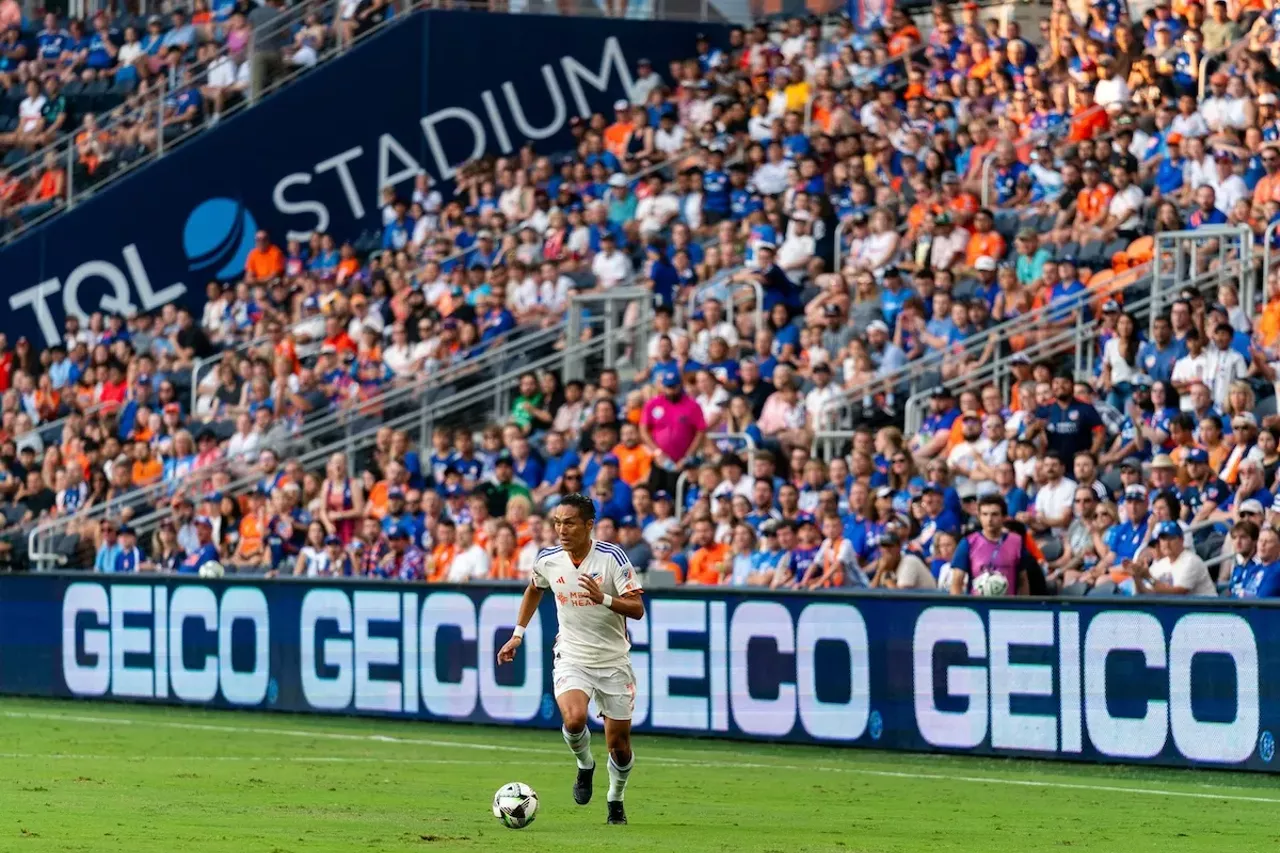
column 78, row 776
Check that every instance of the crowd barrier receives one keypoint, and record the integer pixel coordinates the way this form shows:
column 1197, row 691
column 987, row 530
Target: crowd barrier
column 1171, row 683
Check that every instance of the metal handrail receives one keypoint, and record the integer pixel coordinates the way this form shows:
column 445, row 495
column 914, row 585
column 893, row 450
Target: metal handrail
column 318, row 426
column 200, row 367
column 1080, row 336
column 497, row 387
column 933, row 359
column 682, row 482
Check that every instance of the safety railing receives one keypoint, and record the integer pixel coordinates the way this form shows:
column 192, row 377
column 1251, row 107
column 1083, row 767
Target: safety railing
column 201, row 368
column 728, row 287
column 1179, row 254
column 1080, row 340
column 492, row 396
column 841, row 409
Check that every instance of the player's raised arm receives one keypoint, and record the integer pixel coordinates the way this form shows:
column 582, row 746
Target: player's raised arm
column 528, row 608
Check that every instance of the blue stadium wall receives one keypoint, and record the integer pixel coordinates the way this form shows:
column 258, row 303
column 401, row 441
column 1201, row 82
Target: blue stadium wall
column 429, row 93
column 1174, row 684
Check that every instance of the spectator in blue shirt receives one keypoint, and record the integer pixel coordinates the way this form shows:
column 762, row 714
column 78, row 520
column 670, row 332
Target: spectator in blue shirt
column 109, row 549
column 1206, row 213
column 1157, row 356
column 181, row 33
column 399, row 231
column 130, row 558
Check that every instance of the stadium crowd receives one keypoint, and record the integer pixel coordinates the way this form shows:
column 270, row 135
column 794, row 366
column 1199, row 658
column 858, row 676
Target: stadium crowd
column 111, row 87
column 840, row 173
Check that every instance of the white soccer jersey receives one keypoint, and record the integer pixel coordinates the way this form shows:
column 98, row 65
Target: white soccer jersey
column 590, row 634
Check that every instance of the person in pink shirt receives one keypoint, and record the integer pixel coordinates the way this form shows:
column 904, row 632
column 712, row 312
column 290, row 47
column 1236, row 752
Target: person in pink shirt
column 672, row 426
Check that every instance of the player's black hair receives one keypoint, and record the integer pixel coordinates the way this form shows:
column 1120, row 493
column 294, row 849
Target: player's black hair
column 584, row 505
column 994, row 500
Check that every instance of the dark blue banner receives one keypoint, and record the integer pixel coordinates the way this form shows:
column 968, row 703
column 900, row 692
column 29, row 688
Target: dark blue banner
column 429, row 93
column 1177, row 684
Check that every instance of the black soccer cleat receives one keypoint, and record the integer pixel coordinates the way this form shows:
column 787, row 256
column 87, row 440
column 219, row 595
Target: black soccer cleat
column 582, row 786
column 617, row 813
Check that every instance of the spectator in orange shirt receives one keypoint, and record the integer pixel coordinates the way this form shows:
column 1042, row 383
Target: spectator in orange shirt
column 905, row 35
column 985, row 241
column 252, row 553
column 634, row 459
column 710, row 562
column 1268, row 186
column 147, row 469
column 961, row 205
column 1088, row 120
column 265, row 260
column 618, row 134
column 1093, row 203
column 446, row 548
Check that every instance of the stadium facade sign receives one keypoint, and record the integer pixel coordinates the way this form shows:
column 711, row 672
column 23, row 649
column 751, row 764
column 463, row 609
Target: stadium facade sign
column 1164, row 683
column 433, row 94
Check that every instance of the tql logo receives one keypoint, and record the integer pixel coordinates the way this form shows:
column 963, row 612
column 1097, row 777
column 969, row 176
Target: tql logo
column 218, row 237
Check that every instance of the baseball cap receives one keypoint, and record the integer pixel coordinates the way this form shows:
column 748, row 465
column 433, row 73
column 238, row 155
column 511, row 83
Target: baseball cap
column 985, row 263
column 204, row 520
column 1169, row 529
column 671, row 379
column 627, row 521
column 1020, row 358
column 1162, row 460
column 400, row 531
column 942, row 219
column 617, row 179
column 1131, row 462
column 1268, row 98
column 940, row 391
column 1141, row 380
column 1251, row 505
column 332, row 540
column 1173, row 139
column 621, row 104
column 662, row 495
column 770, row 527
column 878, row 325
column 889, row 539
column 1136, row 492
column 504, row 458
column 1110, row 307
column 609, row 459
column 950, row 178
column 1197, row 455
column 395, row 493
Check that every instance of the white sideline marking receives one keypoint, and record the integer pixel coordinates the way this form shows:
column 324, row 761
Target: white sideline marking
column 736, row 765
column 250, row 759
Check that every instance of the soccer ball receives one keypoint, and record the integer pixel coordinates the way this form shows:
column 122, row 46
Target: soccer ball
column 516, row 805
column 212, row 569
column 991, row 583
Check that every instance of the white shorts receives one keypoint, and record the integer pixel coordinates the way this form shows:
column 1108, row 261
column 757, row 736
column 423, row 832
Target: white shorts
column 612, row 687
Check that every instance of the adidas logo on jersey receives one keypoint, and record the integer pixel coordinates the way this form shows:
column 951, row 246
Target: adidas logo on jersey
column 560, row 580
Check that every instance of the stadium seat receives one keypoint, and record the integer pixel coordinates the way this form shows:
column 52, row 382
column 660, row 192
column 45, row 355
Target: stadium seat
column 660, row 579
column 1141, row 250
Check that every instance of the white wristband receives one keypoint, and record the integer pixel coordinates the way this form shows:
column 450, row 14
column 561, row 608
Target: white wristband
column 518, row 633
column 607, row 600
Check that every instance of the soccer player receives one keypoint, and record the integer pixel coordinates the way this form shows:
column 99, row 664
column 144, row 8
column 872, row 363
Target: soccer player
column 596, row 592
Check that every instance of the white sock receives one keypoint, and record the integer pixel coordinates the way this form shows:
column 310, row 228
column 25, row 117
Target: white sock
column 618, row 778
column 580, row 743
